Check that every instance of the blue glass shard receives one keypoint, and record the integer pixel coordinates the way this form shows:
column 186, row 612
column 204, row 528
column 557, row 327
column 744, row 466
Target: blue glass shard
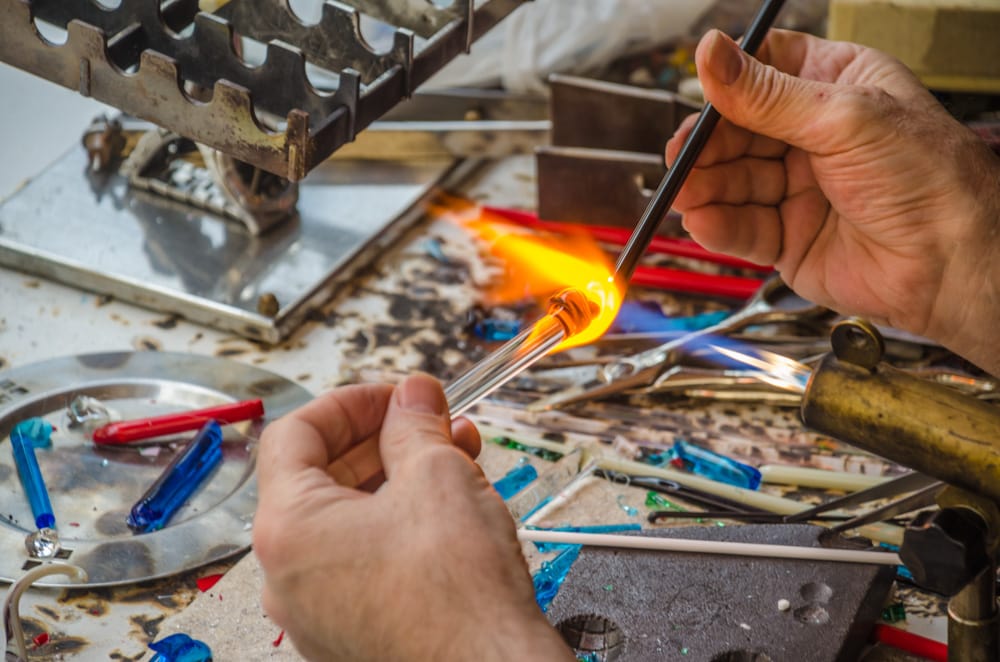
column 516, row 480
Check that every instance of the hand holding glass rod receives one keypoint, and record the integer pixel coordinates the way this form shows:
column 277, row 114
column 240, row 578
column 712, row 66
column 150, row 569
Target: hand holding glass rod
column 531, row 345
column 668, row 189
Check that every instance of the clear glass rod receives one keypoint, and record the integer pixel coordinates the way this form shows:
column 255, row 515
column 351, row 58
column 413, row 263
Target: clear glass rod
column 569, row 313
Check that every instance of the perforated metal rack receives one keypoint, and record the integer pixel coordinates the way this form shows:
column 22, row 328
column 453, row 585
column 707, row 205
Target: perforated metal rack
column 179, row 67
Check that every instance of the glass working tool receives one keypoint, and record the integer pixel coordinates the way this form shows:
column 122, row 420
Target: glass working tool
column 688, row 494
column 751, row 518
column 668, row 189
column 179, row 480
column 773, row 303
column 911, row 482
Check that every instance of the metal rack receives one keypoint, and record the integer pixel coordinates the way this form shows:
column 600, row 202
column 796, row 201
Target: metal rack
column 182, row 69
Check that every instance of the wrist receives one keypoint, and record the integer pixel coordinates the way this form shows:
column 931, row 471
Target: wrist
column 527, row 637
column 966, row 319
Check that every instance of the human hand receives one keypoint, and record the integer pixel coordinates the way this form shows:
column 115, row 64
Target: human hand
column 838, row 167
column 427, row 568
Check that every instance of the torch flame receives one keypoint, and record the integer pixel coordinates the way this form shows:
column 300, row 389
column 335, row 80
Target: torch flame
column 541, row 266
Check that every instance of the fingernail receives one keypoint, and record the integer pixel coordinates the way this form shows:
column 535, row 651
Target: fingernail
column 725, row 59
column 421, row 394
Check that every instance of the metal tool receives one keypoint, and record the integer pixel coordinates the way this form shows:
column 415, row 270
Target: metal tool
column 689, row 494
column 754, row 517
column 773, row 303
column 907, row 483
column 665, row 194
column 853, row 396
column 922, row 498
column 184, row 73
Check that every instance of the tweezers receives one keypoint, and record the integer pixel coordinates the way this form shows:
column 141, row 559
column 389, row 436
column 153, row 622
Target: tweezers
column 911, row 482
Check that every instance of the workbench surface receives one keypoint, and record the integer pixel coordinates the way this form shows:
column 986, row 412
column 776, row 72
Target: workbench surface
column 404, row 313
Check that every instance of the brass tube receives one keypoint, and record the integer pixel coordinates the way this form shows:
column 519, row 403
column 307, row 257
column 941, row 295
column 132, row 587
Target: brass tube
column 919, row 424
column 973, row 621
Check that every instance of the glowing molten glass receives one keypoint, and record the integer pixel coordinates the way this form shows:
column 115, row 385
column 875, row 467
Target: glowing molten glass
column 540, row 267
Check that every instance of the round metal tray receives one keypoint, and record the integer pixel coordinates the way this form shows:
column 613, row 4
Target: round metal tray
column 93, row 487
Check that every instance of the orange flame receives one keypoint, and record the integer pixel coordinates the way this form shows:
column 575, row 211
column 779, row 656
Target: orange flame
column 541, row 266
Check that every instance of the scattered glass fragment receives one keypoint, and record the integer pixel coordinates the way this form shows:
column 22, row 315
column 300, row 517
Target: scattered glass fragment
column 207, row 582
column 515, row 480
column 685, row 650
column 496, row 329
column 658, row 501
column 180, row 648
column 592, row 656
column 551, row 575
column 43, row 543
column 543, row 453
column 90, row 413
column 435, row 249
column 655, row 458
column 546, row 547
column 178, row 481
column 609, row 587
column 902, row 572
column 629, row 510
column 35, row 431
column 40, row 640
column 894, row 613
column 710, row 464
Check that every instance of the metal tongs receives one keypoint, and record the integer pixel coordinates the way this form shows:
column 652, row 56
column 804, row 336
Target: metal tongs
column 921, row 491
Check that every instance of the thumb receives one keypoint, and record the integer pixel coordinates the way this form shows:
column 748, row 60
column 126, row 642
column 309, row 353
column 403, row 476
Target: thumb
column 759, row 97
column 417, row 418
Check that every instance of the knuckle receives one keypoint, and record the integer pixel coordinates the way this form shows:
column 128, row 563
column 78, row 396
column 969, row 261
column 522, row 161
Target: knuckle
column 441, row 460
column 273, row 536
column 427, row 426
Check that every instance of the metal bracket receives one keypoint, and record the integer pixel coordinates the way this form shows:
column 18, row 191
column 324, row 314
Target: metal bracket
column 606, row 156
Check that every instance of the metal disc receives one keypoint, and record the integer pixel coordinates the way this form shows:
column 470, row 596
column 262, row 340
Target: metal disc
column 93, row 487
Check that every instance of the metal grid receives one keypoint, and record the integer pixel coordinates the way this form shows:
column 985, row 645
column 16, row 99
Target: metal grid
column 181, row 68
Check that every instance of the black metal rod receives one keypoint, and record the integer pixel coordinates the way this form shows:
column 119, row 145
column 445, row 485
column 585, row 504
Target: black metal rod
column 667, row 192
